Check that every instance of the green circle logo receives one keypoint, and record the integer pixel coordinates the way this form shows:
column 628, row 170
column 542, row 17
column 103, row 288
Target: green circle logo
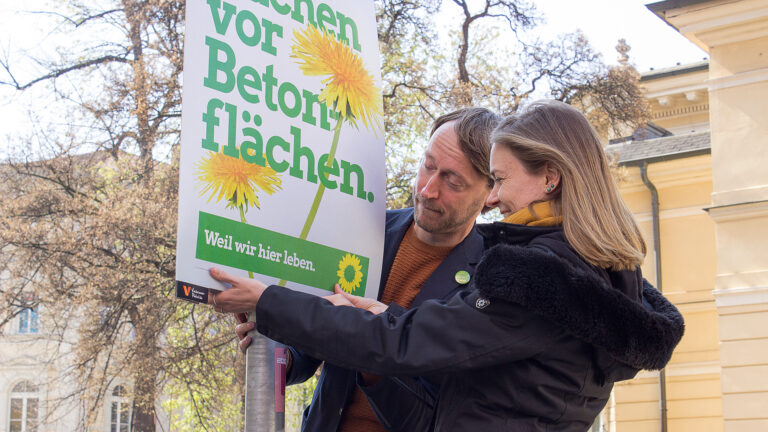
column 462, row 277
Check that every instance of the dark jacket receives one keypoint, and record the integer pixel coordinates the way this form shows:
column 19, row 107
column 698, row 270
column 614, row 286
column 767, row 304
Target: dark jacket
column 536, row 346
column 336, row 384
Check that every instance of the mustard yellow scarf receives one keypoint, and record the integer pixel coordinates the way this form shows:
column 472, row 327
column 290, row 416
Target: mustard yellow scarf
column 541, row 216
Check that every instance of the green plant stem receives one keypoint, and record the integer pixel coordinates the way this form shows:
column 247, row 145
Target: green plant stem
column 242, row 219
column 321, row 188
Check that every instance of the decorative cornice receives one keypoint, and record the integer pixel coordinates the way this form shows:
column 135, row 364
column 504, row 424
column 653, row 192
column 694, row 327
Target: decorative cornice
column 710, row 23
column 738, row 211
column 672, row 213
column 728, row 28
column 732, row 282
column 739, row 79
column 741, row 296
column 720, row 20
column 677, row 90
column 685, row 110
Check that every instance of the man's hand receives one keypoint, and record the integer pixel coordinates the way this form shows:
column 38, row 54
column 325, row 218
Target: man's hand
column 342, row 298
column 244, row 341
column 242, row 330
column 242, row 295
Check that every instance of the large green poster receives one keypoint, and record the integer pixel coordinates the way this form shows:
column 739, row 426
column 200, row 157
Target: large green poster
column 282, row 154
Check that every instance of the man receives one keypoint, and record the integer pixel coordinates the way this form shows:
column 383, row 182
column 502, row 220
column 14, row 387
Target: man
column 430, row 252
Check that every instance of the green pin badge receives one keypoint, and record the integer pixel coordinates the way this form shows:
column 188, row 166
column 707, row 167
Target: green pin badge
column 462, row 277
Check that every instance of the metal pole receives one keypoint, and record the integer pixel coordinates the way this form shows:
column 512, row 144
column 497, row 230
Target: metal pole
column 281, row 364
column 260, row 402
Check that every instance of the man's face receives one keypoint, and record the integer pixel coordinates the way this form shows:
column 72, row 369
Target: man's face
column 448, row 193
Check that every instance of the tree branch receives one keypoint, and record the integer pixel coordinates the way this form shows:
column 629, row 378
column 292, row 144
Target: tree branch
column 59, row 72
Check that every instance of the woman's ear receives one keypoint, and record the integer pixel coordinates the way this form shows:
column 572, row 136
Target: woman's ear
column 552, row 175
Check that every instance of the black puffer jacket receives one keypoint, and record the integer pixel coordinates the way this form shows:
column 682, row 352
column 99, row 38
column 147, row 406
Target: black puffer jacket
column 536, row 346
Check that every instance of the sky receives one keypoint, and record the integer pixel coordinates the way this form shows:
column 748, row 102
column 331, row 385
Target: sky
column 654, row 43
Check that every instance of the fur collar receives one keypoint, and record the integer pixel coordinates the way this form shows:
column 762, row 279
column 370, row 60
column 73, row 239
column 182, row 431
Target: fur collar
column 642, row 336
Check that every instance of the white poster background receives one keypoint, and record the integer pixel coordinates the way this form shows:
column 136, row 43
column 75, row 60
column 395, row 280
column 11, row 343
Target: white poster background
column 343, row 221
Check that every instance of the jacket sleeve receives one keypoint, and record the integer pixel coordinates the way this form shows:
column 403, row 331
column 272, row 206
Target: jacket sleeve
column 402, row 404
column 302, row 367
column 461, row 333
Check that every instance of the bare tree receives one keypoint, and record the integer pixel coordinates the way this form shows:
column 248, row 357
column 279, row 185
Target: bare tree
column 491, row 61
column 89, row 215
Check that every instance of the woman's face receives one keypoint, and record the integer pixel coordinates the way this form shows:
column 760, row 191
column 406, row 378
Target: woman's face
column 514, row 188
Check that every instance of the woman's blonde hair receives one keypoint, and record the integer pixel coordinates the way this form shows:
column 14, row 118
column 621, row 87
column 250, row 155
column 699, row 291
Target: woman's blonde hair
column 596, row 222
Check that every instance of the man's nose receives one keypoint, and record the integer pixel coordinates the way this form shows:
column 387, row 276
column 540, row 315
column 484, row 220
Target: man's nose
column 430, row 190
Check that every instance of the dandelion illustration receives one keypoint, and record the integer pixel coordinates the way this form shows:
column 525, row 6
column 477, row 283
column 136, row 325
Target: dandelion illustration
column 349, row 273
column 236, row 181
column 349, row 88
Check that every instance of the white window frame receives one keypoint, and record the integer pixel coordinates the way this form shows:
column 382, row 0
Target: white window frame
column 25, row 397
column 120, row 403
column 30, row 316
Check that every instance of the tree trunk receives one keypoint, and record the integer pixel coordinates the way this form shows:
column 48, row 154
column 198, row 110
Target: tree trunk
column 145, row 372
column 134, row 12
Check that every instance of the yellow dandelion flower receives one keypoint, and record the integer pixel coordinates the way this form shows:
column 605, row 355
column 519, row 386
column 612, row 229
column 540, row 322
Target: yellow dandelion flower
column 349, row 273
column 349, row 87
column 235, row 180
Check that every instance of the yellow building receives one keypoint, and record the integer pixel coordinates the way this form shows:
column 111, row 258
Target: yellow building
column 698, row 184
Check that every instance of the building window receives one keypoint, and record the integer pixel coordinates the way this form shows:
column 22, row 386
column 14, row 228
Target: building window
column 24, row 407
column 119, row 411
column 29, row 321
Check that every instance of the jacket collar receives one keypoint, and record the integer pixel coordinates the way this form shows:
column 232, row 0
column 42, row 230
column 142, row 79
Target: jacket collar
column 507, row 233
column 398, row 222
column 442, row 283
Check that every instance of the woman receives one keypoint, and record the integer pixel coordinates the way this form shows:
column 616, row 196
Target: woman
column 557, row 313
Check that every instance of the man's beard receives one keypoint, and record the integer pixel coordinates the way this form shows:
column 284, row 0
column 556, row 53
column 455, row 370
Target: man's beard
column 444, row 223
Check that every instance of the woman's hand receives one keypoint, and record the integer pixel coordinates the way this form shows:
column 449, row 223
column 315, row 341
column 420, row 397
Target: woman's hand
column 342, row 298
column 242, row 296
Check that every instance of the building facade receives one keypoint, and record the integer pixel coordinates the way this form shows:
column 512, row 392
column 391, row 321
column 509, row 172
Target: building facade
column 36, row 382
column 700, row 194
